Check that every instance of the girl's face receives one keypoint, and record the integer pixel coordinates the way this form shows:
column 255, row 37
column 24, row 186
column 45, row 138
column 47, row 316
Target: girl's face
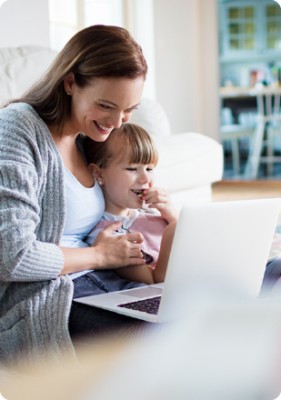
column 102, row 106
column 123, row 183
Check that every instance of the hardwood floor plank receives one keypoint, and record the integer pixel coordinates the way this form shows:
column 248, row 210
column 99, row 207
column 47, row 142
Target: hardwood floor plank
column 239, row 190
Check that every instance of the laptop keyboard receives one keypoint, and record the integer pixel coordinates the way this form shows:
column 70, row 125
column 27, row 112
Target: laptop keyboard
column 150, row 306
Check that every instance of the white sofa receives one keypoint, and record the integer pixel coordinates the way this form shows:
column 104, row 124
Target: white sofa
column 189, row 162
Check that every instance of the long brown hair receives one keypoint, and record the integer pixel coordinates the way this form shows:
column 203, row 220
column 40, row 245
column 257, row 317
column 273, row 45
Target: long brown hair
column 96, row 51
column 130, row 142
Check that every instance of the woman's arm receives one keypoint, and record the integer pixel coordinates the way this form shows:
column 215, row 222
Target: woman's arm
column 28, row 231
column 32, row 208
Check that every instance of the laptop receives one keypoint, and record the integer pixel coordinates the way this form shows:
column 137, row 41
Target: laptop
column 219, row 245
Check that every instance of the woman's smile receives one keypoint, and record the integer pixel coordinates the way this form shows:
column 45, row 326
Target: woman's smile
column 103, row 129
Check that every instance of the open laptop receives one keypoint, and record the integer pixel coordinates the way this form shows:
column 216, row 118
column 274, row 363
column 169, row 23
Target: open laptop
column 220, row 244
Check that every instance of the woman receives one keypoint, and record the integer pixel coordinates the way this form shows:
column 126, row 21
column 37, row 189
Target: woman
column 92, row 87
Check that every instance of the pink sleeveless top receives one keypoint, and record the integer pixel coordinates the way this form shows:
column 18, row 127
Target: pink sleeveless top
column 150, row 226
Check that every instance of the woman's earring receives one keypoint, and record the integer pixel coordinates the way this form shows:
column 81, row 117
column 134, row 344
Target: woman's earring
column 68, row 93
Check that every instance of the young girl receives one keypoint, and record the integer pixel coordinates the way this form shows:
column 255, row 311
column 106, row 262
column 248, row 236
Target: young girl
column 123, row 166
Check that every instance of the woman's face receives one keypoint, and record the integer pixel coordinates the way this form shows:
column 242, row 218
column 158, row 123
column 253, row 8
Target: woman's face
column 101, row 106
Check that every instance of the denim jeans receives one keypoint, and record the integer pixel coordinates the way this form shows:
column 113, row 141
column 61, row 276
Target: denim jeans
column 90, row 321
column 272, row 275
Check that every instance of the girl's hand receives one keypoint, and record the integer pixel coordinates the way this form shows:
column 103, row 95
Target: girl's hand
column 118, row 251
column 160, row 199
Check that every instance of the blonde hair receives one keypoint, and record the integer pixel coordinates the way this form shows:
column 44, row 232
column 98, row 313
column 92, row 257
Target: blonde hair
column 96, row 51
column 129, row 141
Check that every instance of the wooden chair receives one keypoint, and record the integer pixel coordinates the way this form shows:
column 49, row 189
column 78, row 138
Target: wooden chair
column 233, row 133
column 268, row 127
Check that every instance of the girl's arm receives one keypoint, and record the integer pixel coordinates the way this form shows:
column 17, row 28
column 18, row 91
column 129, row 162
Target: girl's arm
column 144, row 273
column 139, row 273
column 164, row 253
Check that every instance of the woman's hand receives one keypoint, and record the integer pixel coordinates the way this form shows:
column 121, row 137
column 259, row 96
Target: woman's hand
column 109, row 251
column 160, row 199
column 115, row 251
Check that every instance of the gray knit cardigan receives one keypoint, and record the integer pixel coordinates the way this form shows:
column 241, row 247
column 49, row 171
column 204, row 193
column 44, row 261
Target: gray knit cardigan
column 35, row 301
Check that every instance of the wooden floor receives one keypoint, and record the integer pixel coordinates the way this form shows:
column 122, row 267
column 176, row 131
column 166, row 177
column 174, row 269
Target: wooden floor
column 242, row 190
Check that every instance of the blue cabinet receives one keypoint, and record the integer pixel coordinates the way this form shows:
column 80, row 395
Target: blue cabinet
column 250, row 40
column 249, row 28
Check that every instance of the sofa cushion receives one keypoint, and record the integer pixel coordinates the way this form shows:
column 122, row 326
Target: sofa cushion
column 20, row 67
column 151, row 116
column 187, row 160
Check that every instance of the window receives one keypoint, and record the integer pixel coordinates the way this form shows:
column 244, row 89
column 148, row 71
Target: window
column 63, row 21
column 273, row 27
column 69, row 16
column 103, row 11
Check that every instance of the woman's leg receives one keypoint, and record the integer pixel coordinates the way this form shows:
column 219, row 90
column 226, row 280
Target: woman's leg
column 91, row 321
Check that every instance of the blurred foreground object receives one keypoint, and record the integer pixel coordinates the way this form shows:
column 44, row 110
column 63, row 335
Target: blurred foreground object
column 227, row 347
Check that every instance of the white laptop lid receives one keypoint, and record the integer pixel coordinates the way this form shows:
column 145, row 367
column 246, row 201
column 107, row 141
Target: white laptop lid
column 221, row 244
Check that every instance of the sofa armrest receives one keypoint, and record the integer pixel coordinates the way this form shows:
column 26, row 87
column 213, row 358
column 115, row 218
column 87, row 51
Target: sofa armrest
column 187, row 161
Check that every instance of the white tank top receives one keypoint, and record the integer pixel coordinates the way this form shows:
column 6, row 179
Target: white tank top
column 84, row 209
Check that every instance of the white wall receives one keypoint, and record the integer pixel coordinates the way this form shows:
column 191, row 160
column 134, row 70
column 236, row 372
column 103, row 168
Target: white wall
column 186, row 64
column 24, row 22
